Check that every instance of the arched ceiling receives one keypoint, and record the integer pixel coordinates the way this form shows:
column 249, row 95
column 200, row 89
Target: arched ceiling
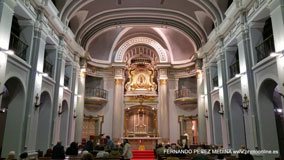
column 180, row 26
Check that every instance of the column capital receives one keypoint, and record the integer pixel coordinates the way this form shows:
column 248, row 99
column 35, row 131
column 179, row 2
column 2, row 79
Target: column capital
column 118, row 73
column 163, row 81
column 118, row 82
column 61, row 55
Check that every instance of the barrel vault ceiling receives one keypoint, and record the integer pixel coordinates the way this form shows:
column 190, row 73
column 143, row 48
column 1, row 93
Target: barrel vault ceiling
column 180, row 26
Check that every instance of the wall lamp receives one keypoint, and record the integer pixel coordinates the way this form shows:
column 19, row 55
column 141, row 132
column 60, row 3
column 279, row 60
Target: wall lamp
column 275, row 54
column 60, row 110
column 74, row 114
column 36, row 102
column 281, row 94
column 245, row 102
column 206, row 113
column 43, row 74
column 221, row 111
column 3, row 110
column 2, row 93
column 9, row 52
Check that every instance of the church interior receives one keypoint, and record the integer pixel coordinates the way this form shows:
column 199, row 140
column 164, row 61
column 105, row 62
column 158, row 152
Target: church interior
column 186, row 73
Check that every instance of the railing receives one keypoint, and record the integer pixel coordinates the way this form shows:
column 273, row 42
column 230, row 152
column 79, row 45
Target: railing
column 18, row 46
column 47, row 68
column 96, row 92
column 181, row 93
column 234, row 69
column 265, row 48
column 66, row 81
column 215, row 81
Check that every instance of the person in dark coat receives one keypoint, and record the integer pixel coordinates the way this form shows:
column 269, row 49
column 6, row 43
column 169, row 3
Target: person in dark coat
column 73, row 149
column 58, row 151
column 89, row 146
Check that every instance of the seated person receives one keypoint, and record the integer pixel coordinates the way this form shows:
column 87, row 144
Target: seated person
column 87, row 156
column 58, row 151
column 73, row 149
column 102, row 153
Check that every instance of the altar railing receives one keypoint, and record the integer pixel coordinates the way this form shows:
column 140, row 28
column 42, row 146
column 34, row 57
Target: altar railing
column 181, row 93
column 96, row 92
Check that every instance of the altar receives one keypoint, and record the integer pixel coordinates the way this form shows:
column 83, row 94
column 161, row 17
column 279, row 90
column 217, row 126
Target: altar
column 143, row 143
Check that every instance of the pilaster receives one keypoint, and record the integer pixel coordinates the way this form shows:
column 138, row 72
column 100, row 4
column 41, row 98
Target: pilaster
column 73, row 101
column 80, row 101
column 201, row 103
column 35, row 83
column 58, row 91
column 223, row 95
column 163, row 110
column 207, row 103
column 6, row 16
column 247, row 82
column 118, row 110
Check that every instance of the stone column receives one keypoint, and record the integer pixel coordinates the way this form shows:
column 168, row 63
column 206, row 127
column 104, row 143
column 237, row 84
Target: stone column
column 174, row 132
column 118, row 110
column 247, row 79
column 6, row 16
column 35, row 82
column 108, row 85
column 207, row 102
column 58, row 91
column 277, row 19
column 223, row 94
column 27, row 33
column 80, row 101
column 74, row 99
column 163, row 111
column 200, row 103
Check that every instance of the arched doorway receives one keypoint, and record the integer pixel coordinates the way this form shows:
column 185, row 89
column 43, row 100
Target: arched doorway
column 13, row 110
column 237, row 121
column 44, row 122
column 270, row 112
column 217, row 127
column 64, row 123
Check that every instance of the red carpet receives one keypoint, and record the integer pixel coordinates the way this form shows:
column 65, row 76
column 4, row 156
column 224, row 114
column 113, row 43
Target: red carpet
column 143, row 155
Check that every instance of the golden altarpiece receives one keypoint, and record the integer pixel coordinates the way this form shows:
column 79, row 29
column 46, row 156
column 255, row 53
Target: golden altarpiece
column 140, row 98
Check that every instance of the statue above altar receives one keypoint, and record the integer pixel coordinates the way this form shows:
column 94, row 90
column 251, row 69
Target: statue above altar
column 141, row 74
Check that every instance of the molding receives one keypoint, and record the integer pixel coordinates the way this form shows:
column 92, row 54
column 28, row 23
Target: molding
column 120, row 17
column 163, row 57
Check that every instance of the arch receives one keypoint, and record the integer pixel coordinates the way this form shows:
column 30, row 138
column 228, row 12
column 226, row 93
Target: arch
column 237, row 121
column 271, row 132
column 64, row 122
column 217, row 124
column 14, row 102
column 141, row 40
column 44, row 122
